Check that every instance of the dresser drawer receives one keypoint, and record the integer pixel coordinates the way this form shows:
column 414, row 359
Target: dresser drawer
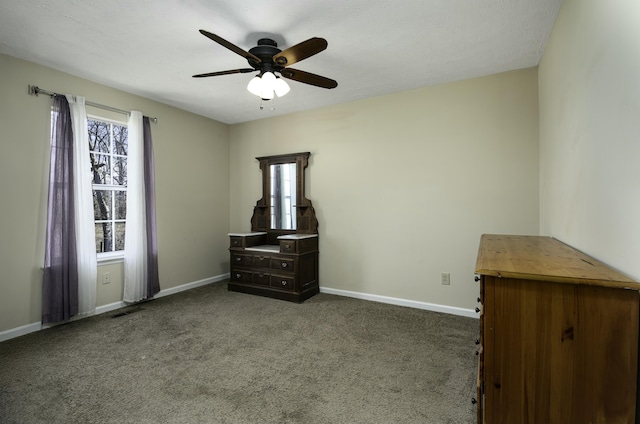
column 261, row 278
column 242, row 276
column 283, row 283
column 261, row 261
column 240, row 260
column 288, row 246
column 283, row 264
column 235, row 242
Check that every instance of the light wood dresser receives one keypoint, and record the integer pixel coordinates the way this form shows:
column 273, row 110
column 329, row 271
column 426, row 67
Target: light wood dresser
column 558, row 335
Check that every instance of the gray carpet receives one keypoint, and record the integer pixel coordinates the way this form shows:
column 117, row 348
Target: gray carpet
column 212, row 356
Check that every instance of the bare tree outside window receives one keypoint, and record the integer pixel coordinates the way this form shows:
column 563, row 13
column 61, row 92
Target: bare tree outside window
column 108, row 145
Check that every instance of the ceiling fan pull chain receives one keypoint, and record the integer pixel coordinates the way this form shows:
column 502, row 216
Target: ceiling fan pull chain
column 273, row 104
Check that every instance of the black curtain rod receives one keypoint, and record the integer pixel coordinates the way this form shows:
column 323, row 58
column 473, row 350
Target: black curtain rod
column 34, row 90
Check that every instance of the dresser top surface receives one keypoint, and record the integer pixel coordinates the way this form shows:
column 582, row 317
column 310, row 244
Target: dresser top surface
column 545, row 259
column 297, row 236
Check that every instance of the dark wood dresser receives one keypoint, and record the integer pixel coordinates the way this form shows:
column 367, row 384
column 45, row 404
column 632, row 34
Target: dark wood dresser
column 279, row 257
column 558, row 335
column 287, row 271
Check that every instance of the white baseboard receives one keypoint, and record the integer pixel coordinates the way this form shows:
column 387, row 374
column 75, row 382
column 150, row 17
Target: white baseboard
column 108, row 308
column 453, row 310
column 37, row 326
column 192, row 285
column 20, row 331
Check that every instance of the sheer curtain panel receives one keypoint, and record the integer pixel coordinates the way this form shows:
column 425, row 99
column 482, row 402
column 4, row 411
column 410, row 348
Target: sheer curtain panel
column 84, row 216
column 60, row 280
column 140, row 247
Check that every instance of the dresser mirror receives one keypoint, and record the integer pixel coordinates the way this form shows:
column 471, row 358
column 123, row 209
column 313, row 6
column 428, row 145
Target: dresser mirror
column 283, row 208
column 282, row 201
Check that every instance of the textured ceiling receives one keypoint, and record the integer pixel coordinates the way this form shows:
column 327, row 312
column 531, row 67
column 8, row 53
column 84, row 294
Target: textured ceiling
column 152, row 47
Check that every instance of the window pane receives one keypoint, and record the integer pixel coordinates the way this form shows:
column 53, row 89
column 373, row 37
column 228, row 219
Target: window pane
column 100, row 167
column 102, row 205
column 120, row 171
column 99, row 139
column 120, row 205
column 120, row 235
column 109, row 147
column 104, row 237
column 120, row 140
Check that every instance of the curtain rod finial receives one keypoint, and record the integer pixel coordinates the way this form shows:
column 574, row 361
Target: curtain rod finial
column 34, row 90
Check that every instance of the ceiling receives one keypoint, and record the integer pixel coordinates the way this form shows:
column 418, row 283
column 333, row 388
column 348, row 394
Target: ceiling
column 152, row 48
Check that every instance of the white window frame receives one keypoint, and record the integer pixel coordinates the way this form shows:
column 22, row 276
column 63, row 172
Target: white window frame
column 117, row 256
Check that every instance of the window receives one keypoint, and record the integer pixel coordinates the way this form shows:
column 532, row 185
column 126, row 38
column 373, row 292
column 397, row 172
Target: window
column 108, row 150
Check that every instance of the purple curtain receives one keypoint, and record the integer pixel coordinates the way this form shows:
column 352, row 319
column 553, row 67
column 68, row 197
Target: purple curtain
column 153, row 281
column 60, row 281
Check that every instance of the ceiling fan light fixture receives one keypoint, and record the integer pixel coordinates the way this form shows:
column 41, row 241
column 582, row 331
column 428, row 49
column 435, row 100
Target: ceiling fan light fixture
column 281, row 87
column 255, row 86
column 263, row 86
column 268, row 81
column 267, row 94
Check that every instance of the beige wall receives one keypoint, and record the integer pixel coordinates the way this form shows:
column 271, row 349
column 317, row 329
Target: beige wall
column 404, row 185
column 590, row 131
column 192, row 185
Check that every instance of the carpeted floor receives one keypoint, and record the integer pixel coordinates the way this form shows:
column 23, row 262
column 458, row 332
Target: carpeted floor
column 212, row 356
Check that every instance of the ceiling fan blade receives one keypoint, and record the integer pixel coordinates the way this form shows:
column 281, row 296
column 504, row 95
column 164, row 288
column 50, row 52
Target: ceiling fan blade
column 232, row 71
column 308, row 78
column 300, row 51
column 230, row 46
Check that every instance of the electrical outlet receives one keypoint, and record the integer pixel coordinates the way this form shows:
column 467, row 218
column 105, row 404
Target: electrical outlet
column 106, row 278
column 445, row 278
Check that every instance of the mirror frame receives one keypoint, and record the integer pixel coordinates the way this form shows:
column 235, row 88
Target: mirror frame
column 306, row 222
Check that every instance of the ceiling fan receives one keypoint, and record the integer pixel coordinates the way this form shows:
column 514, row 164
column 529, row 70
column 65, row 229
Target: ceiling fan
column 269, row 60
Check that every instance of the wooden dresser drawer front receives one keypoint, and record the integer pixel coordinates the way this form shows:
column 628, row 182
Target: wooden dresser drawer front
column 284, row 283
column 261, row 278
column 283, row 264
column 240, row 260
column 235, row 242
column 288, row 246
column 242, row 276
column 261, row 261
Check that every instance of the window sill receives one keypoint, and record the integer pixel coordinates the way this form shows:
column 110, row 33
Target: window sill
column 110, row 258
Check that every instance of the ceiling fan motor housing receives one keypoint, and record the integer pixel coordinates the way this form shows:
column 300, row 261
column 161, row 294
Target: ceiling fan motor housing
column 265, row 50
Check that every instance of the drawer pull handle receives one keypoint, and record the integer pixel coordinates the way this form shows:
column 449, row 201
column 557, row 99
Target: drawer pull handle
column 477, row 353
column 238, row 259
column 478, row 300
column 238, row 276
column 284, row 264
column 474, row 401
column 477, row 309
column 284, row 282
column 477, row 341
